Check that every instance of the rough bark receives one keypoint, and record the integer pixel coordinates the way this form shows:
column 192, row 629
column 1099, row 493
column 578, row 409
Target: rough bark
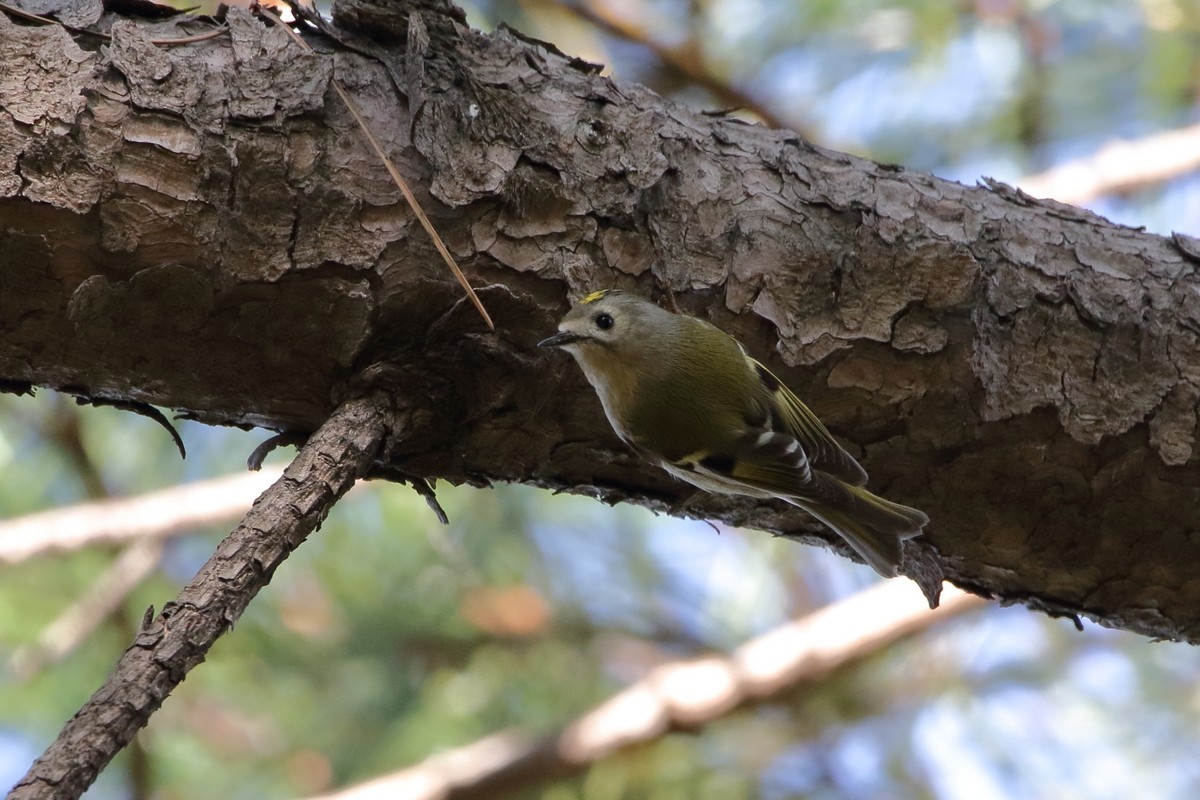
column 202, row 228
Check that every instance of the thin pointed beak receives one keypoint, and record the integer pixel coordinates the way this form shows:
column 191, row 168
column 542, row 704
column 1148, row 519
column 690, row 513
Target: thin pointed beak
column 561, row 339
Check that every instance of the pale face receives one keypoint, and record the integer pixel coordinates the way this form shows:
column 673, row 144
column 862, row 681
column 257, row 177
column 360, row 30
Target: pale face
column 597, row 333
column 591, row 322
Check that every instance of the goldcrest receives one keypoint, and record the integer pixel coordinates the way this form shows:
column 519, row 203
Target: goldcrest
column 686, row 396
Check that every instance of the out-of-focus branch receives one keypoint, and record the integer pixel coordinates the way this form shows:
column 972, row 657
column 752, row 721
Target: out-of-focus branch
column 1121, row 166
column 105, row 596
column 680, row 695
column 156, row 515
column 684, row 59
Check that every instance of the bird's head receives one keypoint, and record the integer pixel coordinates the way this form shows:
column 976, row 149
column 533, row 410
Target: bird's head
column 609, row 321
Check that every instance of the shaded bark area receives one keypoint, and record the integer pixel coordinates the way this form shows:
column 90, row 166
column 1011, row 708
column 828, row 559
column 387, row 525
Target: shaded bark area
column 203, row 228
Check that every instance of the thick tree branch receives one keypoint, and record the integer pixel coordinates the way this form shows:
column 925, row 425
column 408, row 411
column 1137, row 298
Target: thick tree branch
column 685, row 695
column 340, row 452
column 201, row 228
column 1117, row 167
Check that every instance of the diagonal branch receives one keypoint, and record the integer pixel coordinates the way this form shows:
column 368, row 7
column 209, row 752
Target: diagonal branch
column 340, row 452
column 684, row 695
column 1120, row 166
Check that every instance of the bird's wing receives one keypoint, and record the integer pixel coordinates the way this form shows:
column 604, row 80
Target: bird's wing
column 790, row 415
column 758, row 462
column 777, row 462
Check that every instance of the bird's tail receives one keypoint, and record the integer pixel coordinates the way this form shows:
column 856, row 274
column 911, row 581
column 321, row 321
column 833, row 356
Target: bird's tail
column 874, row 527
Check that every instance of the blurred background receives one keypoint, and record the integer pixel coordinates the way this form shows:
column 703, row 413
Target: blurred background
column 389, row 640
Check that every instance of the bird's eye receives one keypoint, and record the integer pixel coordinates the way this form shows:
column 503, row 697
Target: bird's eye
column 604, row 321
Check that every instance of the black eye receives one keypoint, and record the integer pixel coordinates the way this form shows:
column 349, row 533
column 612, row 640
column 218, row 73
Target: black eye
column 604, row 321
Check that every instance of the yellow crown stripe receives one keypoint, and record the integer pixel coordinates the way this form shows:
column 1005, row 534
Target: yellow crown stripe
column 594, row 296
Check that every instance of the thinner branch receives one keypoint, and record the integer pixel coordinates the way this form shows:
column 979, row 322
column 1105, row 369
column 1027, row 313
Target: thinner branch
column 341, row 451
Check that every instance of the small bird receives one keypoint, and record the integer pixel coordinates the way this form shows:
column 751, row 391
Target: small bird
column 685, row 395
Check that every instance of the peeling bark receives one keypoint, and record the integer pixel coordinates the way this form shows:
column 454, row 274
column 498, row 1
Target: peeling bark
column 202, row 228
